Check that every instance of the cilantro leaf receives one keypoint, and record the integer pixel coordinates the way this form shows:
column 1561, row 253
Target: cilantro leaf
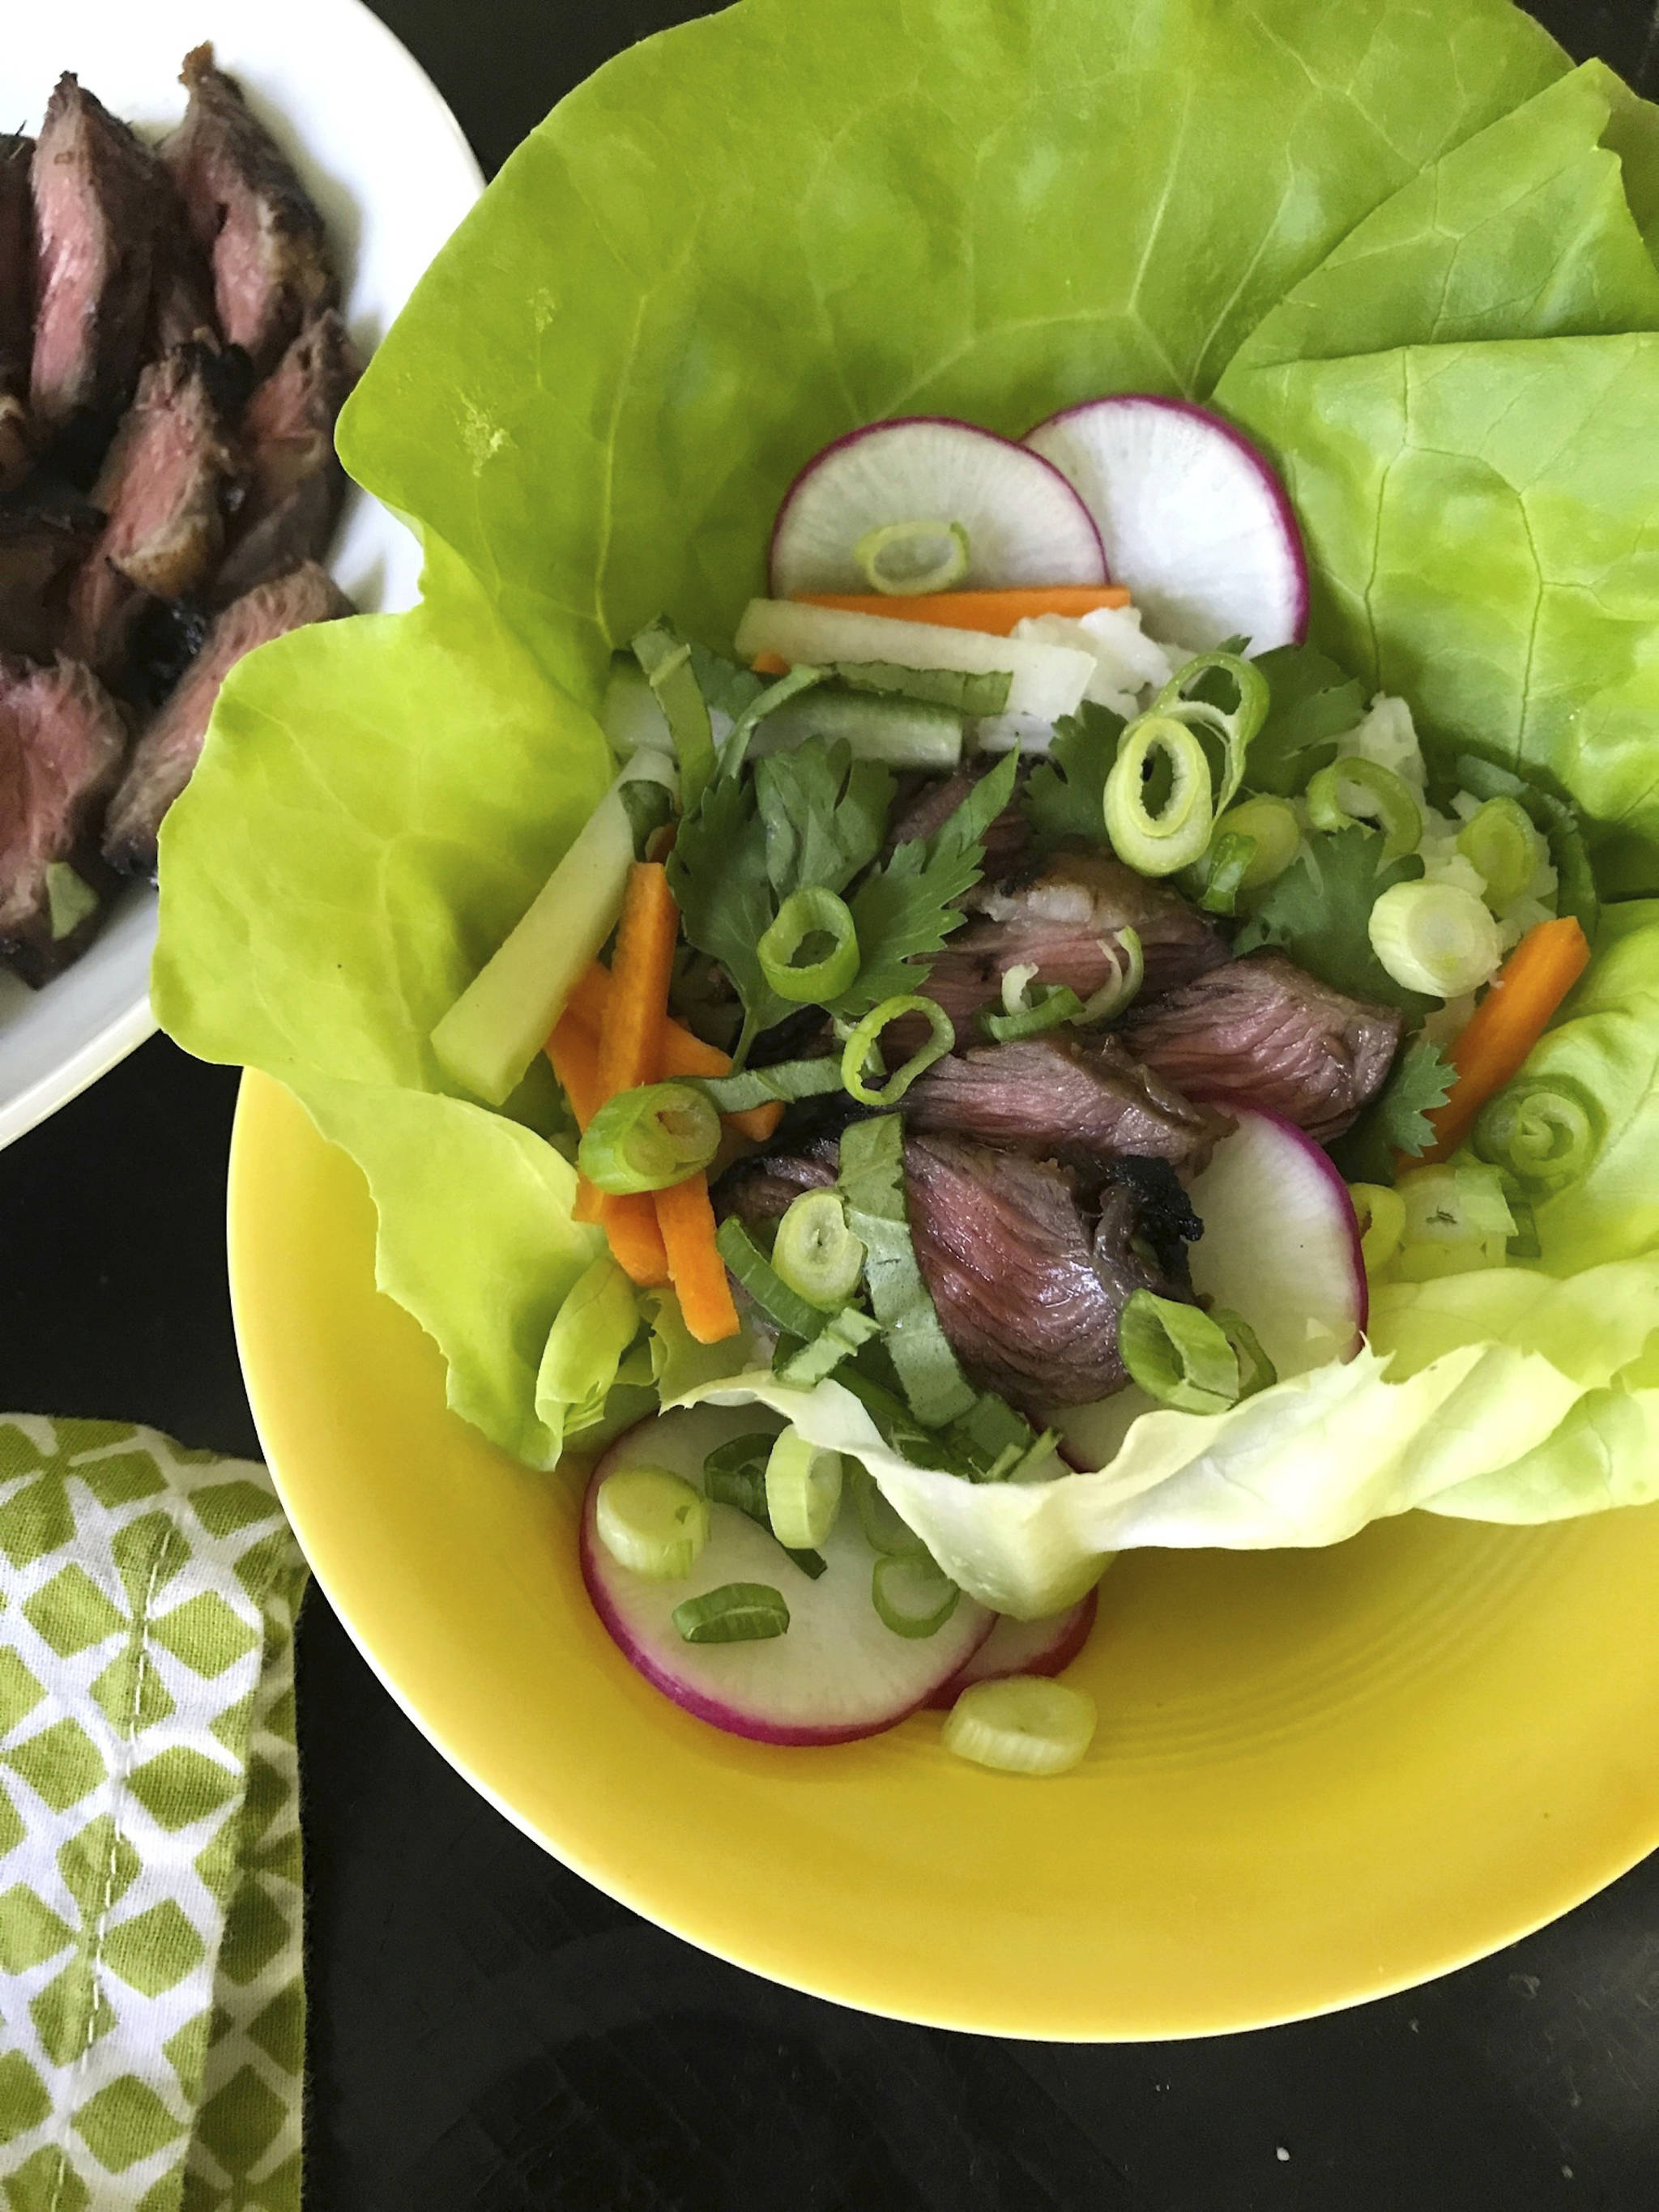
column 1066, row 796
column 727, row 687
column 904, row 911
column 1397, row 1119
column 824, row 814
column 1318, row 911
column 1313, row 704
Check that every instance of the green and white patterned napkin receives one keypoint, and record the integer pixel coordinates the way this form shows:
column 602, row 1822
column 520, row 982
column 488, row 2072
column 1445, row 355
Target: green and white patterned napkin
column 152, row 2014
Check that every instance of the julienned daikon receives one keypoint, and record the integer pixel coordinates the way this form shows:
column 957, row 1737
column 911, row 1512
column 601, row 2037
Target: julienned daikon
column 501, row 1021
column 1047, row 681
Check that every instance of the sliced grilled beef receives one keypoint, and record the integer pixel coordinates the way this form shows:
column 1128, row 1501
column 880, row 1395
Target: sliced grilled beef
column 45, row 532
column 16, row 307
column 170, row 747
column 295, row 482
column 61, row 742
column 181, row 307
column 1044, row 1095
column 164, row 486
column 98, row 198
column 1065, row 916
column 250, row 213
column 1028, row 1295
column 765, row 1188
column 934, row 800
column 1260, row 1032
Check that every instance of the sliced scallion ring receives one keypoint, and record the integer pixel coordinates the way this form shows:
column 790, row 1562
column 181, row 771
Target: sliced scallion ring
column 815, row 1253
column 1157, row 844
column 866, row 1038
column 904, row 559
column 1435, row 937
column 1228, row 861
column 803, row 1492
column 734, row 1473
column 1129, row 962
column 1256, row 1370
column 1234, row 726
column 1350, row 791
column 1177, row 1354
column 1272, row 827
column 651, row 1522
column 911, row 1595
column 736, row 1613
column 1024, row 1724
column 1381, row 1212
column 1058, row 1004
column 649, row 1138
column 1502, row 847
column 883, row 1529
column 806, row 914
column 1543, row 1133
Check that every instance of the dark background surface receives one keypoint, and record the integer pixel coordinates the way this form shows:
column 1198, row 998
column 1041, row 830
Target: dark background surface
column 488, row 2032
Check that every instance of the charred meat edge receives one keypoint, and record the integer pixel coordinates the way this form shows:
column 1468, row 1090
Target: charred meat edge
column 62, row 740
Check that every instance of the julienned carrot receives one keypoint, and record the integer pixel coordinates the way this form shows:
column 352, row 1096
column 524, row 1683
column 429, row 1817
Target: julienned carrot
column 683, row 1054
column 630, row 1035
column 995, row 612
column 636, row 1241
column 573, row 1049
column 695, row 1265
column 1507, row 1023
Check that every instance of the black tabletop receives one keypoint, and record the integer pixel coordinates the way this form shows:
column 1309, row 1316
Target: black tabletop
column 488, row 2032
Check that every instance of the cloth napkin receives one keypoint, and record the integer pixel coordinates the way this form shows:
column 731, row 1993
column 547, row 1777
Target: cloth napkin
column 152, row 2013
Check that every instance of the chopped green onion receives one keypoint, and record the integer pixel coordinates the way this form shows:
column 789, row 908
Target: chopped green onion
column 1555, row 821
column 905, row 559
column 1502, row 847
column 1015, row 982
column 786, row 1080
column 803, row 1492
column 812, row 911
column 736, row 1613
column 69, row 899
column 1130, row 963
column 1177, row 1355
column 872, row 1180
column 1229, row 861
column 866, row 1038
column 651, row 1522
column 1058, row 1003
column 1256, row 1370
column 649, row 1138
column 1436, row 938
column 1236, row 728
column 883, row 1529
column 1543, row 1133
column 1381, row 1213
column 802, row 677
column 968, row 690
column 1157, row 844
column 1272, row 827
column 1022, row 1724
column 1354, row 790
column 1457, row 1219
column 667, row 659
column 816, row 1253
column 734, row 1473
column 762, row 1283
column 838, row 1339
column 912, row 1596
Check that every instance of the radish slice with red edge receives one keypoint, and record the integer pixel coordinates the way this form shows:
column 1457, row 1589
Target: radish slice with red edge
column 1193, row 519
column 1024, row 523
column 1280, row 1243
column 1024, row 1647
column 837, row 1672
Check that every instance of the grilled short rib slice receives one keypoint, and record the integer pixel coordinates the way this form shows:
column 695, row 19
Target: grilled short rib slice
column 16, row 308
column 295, row 482
column 1066, row 915
column 45, row 532
column 1260, row 1032
column 98, row 198
column 1028, row 1291
column 1050, row 1094
column 250, row 213
column 62, row 739
column 164, row 486
column 170, row 747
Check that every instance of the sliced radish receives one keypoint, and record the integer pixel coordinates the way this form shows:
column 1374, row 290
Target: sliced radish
column 1048, row 680
column 1022, row 522
column 1024, row 1647
column 837, row 1673
column 1280, row 1243
column 1192, row 519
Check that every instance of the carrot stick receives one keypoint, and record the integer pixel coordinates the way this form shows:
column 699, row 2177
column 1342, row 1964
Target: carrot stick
column 995, row 612
column 573, row 1049
column 695, row 1267
column 630, row 1037
column 1507, row 1023
column 636, row 1242
column 683, row 1054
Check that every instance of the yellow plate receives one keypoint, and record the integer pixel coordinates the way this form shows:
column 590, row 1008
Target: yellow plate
column 1319, row 1775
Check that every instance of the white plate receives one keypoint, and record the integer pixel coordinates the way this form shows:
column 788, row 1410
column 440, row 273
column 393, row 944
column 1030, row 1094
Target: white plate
column 387, row 165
